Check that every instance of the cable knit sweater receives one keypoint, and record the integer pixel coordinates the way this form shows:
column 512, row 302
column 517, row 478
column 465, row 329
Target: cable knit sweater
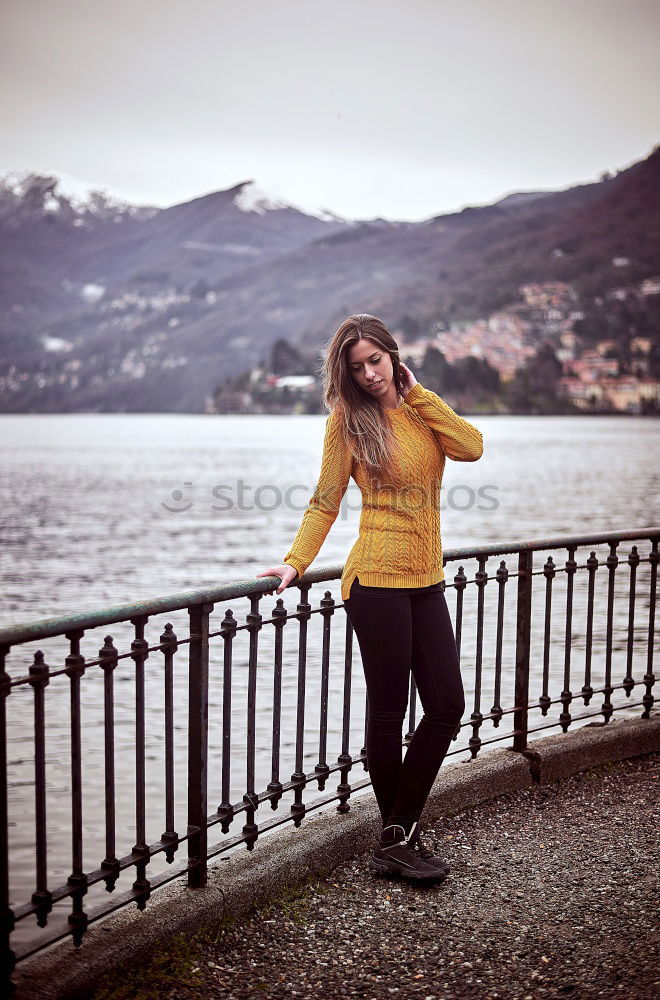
column 399, row 541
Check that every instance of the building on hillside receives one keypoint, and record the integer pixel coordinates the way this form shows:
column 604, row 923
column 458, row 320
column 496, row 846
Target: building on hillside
column 591, row 365
column 547, row 295
column 628, row 394
column 500, row 340
column 301, row 382
column 650, row 286
column 230, row 401
column 640, row 355
column 603, row 346
column 415, row 350
column 568, row 348
column 587, row 394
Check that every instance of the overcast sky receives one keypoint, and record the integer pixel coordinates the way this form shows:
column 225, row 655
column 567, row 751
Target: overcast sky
column 396, row 108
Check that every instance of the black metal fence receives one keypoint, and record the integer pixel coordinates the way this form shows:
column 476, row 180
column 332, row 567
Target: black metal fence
column 573, row 642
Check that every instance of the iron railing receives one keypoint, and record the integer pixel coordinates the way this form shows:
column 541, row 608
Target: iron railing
column 250, row 690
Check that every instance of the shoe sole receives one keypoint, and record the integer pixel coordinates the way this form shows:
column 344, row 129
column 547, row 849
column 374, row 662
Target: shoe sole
column 383, row 868
column 446, row 869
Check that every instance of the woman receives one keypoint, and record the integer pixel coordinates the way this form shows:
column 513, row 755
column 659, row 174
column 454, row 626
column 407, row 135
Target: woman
column 392, row 435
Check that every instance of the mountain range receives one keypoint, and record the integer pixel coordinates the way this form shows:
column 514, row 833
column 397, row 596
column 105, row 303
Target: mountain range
column 113, row 307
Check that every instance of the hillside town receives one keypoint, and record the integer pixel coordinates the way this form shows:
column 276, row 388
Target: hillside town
column 591, row 377
column 542, row 303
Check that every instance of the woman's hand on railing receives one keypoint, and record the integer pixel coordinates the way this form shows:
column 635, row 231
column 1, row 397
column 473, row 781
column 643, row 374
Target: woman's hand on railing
column 286, row 572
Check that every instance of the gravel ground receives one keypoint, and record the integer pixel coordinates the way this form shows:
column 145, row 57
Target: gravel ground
column 552, row 893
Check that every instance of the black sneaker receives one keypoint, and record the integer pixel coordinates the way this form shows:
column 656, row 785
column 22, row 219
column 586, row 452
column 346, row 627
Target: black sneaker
column 427, row 855
column 395, row 854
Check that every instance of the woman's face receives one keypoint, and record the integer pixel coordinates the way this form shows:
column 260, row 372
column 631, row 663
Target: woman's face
column 371, row 367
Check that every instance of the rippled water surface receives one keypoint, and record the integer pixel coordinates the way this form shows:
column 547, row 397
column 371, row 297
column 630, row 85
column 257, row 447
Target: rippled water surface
column 101, row 510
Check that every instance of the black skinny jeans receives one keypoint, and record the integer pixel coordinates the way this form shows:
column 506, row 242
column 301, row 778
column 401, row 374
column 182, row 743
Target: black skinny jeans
column 400, row 629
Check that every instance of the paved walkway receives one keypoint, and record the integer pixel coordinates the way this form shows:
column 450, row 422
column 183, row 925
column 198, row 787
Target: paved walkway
column 553, row 893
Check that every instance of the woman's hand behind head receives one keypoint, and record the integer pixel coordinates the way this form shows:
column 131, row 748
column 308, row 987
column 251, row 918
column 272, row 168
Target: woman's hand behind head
column 408, row 380
column 287, row 574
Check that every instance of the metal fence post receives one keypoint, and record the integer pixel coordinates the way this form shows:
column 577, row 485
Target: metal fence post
column 7, row 957
column 198, row 724
column 523, row 630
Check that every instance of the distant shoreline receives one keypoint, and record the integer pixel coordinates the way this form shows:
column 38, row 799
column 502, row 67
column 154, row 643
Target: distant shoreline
column 276, row 413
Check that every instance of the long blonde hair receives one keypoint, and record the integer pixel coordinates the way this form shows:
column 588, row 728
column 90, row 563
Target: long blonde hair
column 366, row 429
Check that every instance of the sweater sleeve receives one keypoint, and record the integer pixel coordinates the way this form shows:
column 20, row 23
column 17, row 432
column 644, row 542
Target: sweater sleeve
column 324, row 504
column 459, row 439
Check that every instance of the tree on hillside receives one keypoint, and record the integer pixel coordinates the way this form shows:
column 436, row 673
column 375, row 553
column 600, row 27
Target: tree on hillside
column 285, row 359
column 434, row 370
column 473, row 374
column 533, row 388
column 409, row 326
column 200, row 289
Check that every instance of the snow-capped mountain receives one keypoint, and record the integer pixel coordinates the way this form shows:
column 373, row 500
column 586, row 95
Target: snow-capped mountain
column 106, row 305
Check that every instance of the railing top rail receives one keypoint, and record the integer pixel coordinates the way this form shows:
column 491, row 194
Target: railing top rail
column 552, row 542
column 44, row 628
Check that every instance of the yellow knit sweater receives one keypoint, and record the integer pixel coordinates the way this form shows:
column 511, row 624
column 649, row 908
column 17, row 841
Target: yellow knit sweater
column 399, row 538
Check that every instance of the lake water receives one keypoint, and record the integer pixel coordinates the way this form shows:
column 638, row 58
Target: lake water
column 100, row 510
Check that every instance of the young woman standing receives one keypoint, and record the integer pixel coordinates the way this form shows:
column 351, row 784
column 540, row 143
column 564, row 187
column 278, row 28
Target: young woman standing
column 392, row 436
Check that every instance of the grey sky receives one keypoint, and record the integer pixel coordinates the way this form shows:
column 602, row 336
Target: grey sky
column 398, row 108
